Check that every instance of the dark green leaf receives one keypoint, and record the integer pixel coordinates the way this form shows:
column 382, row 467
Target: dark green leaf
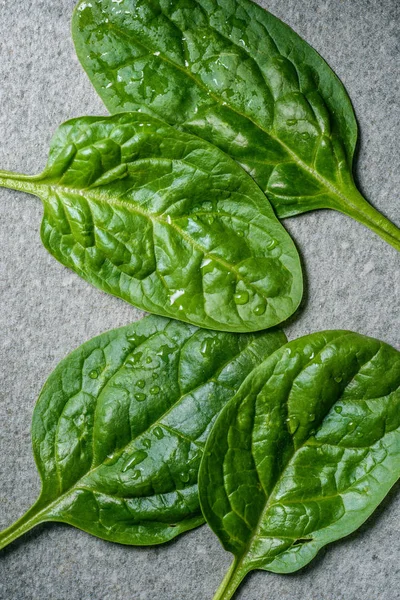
column 165, row 221
column 304, row 452
column 237, row 76
column 120, row 426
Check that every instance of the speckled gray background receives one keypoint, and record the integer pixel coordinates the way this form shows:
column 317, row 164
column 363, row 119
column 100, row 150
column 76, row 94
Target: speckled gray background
column 46, row 311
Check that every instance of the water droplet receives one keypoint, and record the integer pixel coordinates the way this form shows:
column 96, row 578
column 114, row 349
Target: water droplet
column 241, row 298
column 154, row 390
column 205, row 262
column 177, row 294
column 206, row 346
column 293, row 424
column 132, row 360
column 305, row 135
column 136, row 474
column 125, row 349
column 271, row 244
column 291, row 122
column 338, row 379
column 132, row 339
column 351, row 426
column 147, row 443
column 185, row 476
column 135, row 459
column 155, row 375
column 93, row 374
column 149, row 360
column 112, row 458
column 158, row 432
column 140, row 397
column 240, row 233
column 312, row 355
column 311, row 417
column 260, row 309
column 141, row 383
column 338, row 409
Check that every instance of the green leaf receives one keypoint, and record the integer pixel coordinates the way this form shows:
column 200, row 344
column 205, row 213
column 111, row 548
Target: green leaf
column 165, row 221
column 120, row 426
column 304, row 452
column 237, row 76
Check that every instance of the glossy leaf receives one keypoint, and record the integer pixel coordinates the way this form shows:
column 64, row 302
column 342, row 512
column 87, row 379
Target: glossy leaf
column 303, row 453
column 120, row 426
column 165, row 221
column 237, row 76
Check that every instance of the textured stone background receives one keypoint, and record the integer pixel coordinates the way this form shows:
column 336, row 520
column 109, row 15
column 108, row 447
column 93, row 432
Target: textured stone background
column 46, row 311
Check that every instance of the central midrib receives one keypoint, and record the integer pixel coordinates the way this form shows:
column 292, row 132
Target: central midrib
column 326, row 183
column 166, row 221
column 157, row 422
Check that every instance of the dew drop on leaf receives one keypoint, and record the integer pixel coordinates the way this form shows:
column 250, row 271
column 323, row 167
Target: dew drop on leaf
column 241, row 298
column 338, row 409
column 260, row 309
column 293, row 424
column 184, row 476
column 140, row 397
column 136, row 474
column 147, row 443
column 158, row 432
column 291, row 122
column 154, row 390
column 338, row 379
column 311, row 417
column 148, row 360
column 93, row 374
column 206, row 346
column 271, row 244
column 132, row 360
column 135, row 459
column 141, row 383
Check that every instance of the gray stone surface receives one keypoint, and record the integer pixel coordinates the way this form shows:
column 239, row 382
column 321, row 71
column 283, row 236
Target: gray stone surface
column 46, row 310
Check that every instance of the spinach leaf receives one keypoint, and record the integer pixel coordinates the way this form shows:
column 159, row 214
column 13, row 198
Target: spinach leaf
column 119, row 428
column 237, row 76
column 303, row 454
column 165, row 221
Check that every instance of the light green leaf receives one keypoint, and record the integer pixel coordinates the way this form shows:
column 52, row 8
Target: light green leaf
column 304, row 453
column 165, row 221
column 234, row 74
column 120, row 426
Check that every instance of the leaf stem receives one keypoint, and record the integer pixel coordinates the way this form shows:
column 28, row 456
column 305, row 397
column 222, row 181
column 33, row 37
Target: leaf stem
column 18, row 181
column 231, row 581
column 34, row 516
column 358, row 208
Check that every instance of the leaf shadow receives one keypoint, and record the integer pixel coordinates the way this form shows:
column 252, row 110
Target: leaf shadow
column 39, row 530
column 306, row 294
column 360, row 144
column 26, row 538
